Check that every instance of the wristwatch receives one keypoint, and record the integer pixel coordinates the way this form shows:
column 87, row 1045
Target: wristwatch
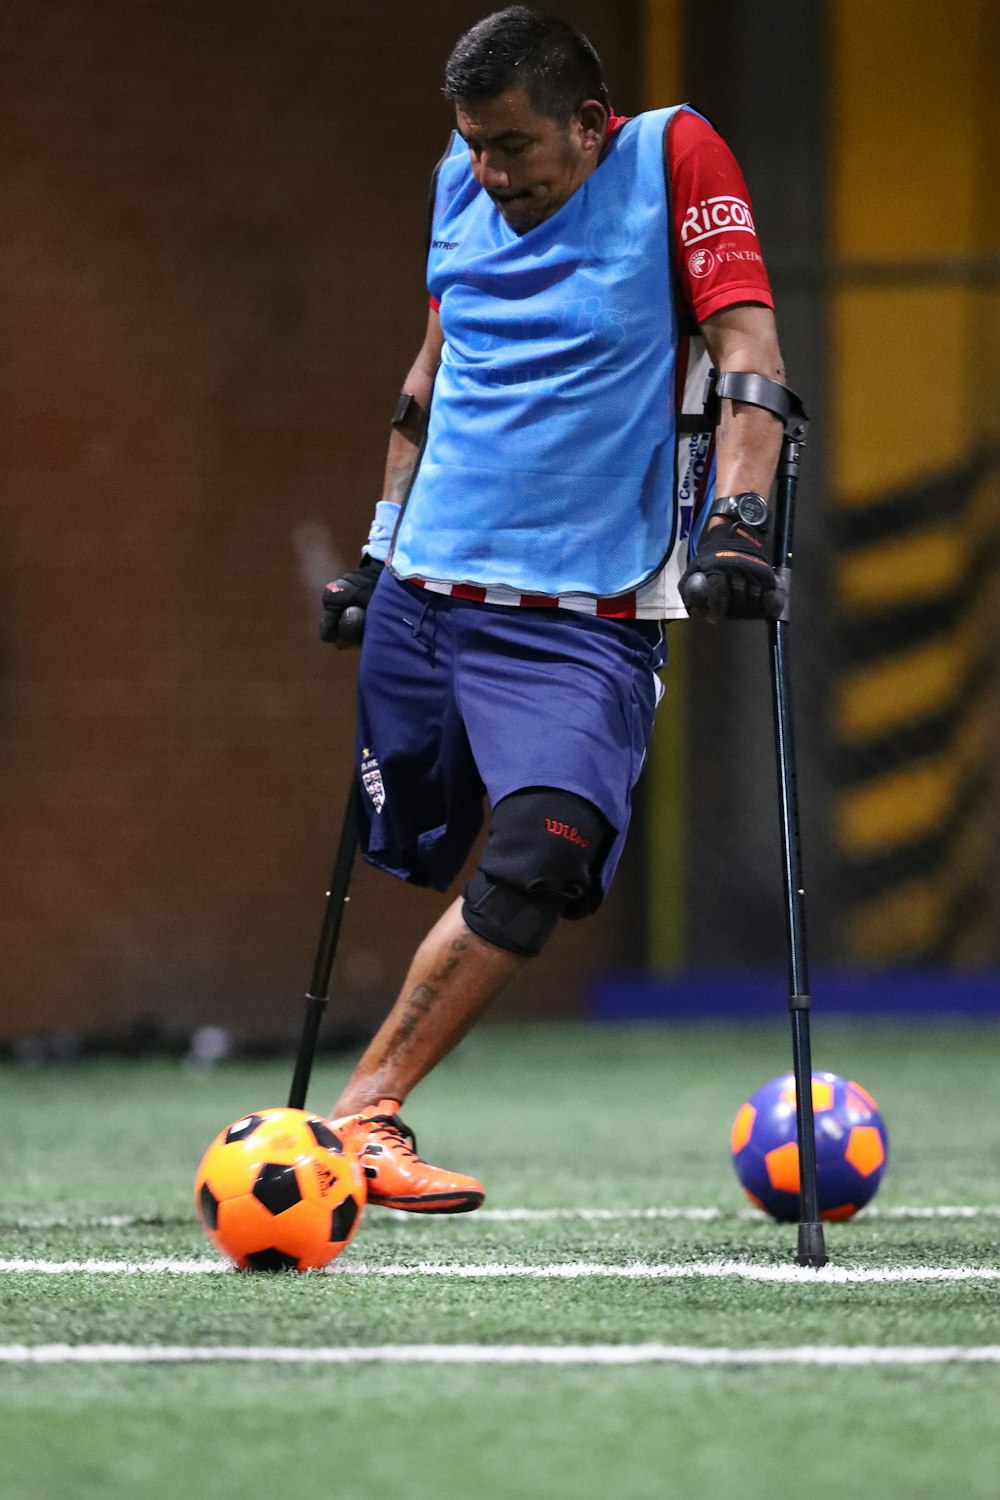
column 748, row 507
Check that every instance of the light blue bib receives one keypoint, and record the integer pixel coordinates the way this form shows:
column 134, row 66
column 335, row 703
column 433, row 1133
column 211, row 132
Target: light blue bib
column 550, row 456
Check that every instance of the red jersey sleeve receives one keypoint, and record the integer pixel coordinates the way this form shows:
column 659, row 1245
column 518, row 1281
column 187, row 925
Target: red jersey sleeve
column 716, row 250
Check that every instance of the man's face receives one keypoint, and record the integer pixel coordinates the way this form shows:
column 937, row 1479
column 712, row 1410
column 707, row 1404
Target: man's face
column 528, row 163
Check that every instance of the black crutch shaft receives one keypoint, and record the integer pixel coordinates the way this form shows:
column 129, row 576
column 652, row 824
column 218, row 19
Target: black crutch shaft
column 319, row 985
column 811, row 1245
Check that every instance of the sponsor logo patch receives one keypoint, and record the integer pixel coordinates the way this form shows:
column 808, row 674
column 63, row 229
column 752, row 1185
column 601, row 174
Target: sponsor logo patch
column 723, row 214
column 701, row 263
column 371, row 779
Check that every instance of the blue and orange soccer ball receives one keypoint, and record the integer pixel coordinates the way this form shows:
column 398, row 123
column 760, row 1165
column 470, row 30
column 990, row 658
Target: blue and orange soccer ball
column 852, row 1147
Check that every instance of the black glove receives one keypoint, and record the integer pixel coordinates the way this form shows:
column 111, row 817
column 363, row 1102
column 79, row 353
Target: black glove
column 352, row 592
column 730, row 576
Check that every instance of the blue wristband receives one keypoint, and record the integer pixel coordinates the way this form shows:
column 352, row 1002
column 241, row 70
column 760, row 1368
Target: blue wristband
column 382, row 527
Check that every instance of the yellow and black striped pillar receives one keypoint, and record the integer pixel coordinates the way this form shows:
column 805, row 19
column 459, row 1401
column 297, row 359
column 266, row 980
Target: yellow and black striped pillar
column 915, row 480
column 709, row 812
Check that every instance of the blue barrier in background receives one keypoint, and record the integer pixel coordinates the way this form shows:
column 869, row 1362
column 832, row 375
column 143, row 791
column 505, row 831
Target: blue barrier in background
column 917, row 994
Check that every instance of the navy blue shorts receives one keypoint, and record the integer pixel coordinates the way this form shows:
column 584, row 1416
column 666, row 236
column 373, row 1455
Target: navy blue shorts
column 458, row 701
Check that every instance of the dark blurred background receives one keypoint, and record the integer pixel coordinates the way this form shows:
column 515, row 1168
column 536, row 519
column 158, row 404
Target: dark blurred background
column 212, row 286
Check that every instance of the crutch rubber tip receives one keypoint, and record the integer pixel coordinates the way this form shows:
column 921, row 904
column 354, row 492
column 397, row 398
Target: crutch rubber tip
column 812, row 1245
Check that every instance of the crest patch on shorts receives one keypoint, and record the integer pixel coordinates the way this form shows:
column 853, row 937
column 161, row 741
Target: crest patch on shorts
column 371, row 780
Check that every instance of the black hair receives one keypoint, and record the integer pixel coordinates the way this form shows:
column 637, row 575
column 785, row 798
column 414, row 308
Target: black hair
column 521, row 48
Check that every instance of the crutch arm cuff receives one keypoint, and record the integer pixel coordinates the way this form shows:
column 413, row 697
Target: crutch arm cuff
column 758, row 390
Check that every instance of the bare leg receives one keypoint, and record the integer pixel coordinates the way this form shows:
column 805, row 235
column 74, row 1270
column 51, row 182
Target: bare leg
column 453, row 977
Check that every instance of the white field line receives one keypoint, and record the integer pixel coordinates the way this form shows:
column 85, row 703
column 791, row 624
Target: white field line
column 708, row 1215
column 504, row 1354
column 692, row 1215
column 561, row 1271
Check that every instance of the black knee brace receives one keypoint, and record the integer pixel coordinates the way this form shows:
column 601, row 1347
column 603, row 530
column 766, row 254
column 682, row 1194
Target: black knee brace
column 542, row 855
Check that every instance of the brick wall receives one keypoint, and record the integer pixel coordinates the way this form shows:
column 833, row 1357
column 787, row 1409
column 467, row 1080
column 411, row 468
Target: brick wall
column 210, row 261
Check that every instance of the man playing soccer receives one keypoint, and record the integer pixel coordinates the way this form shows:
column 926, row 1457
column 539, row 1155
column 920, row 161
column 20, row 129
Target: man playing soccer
column 585, row 271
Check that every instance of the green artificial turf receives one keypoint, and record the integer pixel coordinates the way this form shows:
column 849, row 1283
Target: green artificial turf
column 411, row 1435
column 578, row 1118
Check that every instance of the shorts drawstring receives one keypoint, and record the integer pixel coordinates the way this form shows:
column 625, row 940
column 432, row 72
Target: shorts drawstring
column 423, row 615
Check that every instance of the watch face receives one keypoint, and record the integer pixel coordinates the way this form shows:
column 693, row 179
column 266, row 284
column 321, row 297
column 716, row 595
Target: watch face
column 752, row 510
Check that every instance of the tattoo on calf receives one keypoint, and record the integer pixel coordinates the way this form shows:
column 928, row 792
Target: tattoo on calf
column 422, row 997
column 418, row 1003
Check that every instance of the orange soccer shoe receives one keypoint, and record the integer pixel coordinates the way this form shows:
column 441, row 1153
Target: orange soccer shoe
column 397, row 1176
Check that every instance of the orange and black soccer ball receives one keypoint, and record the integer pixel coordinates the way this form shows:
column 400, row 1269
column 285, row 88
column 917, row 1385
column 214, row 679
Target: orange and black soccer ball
column 852, row 1147
column 279, row 1190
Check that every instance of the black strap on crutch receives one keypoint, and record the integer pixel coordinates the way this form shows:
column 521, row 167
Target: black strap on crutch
column 337, row 898
column 757, row 390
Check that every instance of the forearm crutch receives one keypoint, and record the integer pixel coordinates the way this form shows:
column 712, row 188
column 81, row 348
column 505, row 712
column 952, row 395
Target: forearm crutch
column 757, row 390
column 352, row 626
